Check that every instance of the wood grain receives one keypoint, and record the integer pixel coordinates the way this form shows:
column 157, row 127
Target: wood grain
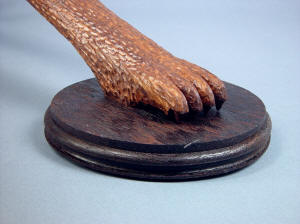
column 129, row 66
column 83, row 110
column 100, row 134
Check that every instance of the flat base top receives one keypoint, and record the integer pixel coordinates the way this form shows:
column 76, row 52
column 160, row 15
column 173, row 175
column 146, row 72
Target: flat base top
column 82, row 110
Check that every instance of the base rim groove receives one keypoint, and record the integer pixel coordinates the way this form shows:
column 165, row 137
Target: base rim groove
column 186, row 166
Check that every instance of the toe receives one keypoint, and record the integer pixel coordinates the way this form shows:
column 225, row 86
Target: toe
column 204, row 91
column 217, row 86
column 162, row 93
column 189, row 91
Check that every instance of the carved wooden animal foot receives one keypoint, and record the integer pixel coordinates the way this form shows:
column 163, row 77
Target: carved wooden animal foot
column 128, row 65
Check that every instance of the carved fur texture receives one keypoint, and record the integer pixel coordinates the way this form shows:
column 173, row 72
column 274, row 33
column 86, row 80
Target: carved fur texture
column 128, row 65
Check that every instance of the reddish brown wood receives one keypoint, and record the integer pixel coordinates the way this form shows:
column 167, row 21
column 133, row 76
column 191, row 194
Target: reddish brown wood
column 103, row 135
column 129, row 66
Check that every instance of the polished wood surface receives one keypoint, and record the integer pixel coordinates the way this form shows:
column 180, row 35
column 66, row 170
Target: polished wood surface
column 143, row 143
column 83, row 110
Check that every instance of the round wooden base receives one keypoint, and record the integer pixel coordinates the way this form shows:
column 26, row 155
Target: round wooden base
column 142, row 143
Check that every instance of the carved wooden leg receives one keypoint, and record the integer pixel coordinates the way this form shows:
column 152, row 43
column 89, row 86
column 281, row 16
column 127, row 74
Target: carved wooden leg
column 129, row 66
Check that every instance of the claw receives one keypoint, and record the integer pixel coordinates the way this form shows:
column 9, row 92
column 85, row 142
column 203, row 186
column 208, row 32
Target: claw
column 189, row 91
column 216, row 85
column 128, row 65
column 203, row 89
column 219, row 104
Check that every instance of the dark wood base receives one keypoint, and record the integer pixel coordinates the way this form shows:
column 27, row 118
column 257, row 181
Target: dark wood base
column 98, row 133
